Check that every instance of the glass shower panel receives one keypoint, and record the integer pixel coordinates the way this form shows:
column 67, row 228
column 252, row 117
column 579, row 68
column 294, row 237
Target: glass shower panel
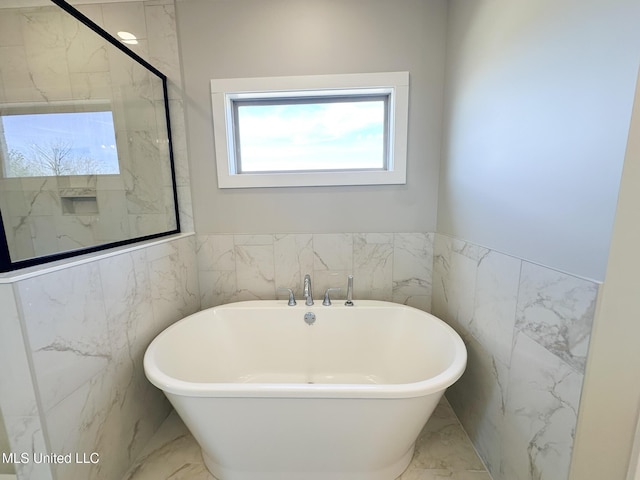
column 85, row 151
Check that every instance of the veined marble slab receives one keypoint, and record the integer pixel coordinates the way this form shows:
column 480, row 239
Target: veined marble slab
column 386, row 266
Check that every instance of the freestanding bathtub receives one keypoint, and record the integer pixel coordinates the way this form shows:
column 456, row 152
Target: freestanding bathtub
column 270, row 397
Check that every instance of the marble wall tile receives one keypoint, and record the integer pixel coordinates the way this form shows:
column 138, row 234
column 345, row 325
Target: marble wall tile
column 14, row 203
column 454, row 283
column 324, row 279
column 556, row 310
column 216, row 252
column 113, row 222
column 42, row 201
column 87, row 330
column 75, row 424
column 113, row 415
column 185, row 208
column 174, row 282
column 3, row 94
column 494, row 311
column 142, row 224
column 164, row 54
column 18, row 402
column 162, row 36
column 293, row 259
column 333, row 262
column 225, row 287
column 479, row 399
column 386, row 266
column 126, row 286
column 178, row 134
column 39, row 183
column 216, row 259
column 333, row 251
column 10, row 29
column 26, row 435
column 47, row 67
column 75, row 231
column 441, row 265
column 261, row 239
column 19, row 237
column 141, row 176
column 527, row 329
column 128, row 16
column 86, row 52
column 67, row 329
column 413, row 269
column 94, row 12
column 18, row 396
column 16, row 81
column 469, row 250
column 255, row 271
column 541, row 414
column 139, row 312
column 373, row 266
column 44, row 235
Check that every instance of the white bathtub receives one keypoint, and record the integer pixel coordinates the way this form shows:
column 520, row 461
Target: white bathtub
column 269, row 397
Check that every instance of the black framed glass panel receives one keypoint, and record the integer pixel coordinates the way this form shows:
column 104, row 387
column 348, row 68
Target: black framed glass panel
column 85, row 146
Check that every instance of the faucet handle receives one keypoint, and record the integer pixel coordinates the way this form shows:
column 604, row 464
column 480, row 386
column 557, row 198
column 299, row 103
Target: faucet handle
column 327, row 301
column 292, row 299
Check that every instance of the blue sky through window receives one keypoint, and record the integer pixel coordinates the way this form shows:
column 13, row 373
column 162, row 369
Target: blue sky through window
column 312, row 136
column 88, row 137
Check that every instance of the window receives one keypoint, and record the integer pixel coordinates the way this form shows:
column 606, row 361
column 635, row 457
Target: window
column 312, row 130
column 54, row 140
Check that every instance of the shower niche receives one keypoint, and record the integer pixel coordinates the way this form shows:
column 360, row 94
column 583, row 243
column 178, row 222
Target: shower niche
column 85, row 146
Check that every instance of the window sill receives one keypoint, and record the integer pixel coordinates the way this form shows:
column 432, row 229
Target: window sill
column 300, row 179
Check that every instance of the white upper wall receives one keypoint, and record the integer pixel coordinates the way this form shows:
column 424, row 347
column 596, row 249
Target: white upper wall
column 254, row 38
column 539, row 98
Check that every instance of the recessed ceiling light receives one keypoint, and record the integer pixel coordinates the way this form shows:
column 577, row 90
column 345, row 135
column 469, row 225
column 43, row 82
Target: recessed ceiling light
column 128, row 38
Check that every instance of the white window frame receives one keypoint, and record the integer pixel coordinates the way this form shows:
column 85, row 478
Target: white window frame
column 224, row 91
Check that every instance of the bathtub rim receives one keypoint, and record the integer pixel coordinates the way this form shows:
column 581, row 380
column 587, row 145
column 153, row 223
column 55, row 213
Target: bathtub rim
column 429, row 386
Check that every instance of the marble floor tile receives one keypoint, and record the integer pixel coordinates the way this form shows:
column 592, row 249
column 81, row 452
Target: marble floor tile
column 443, row 452
column 172, row 454
column 443, row 448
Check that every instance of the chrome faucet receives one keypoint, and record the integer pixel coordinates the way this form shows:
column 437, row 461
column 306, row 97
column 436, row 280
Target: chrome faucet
column 307, row 292
column 349, row 302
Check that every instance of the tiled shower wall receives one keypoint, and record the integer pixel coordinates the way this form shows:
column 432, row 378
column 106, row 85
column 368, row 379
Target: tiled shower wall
column 50, row 60
column 386, row 266
column 75, row 339
column 45, row 58
column 527, row 330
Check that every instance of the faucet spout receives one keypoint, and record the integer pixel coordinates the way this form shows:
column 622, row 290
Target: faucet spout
column 307, row 291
